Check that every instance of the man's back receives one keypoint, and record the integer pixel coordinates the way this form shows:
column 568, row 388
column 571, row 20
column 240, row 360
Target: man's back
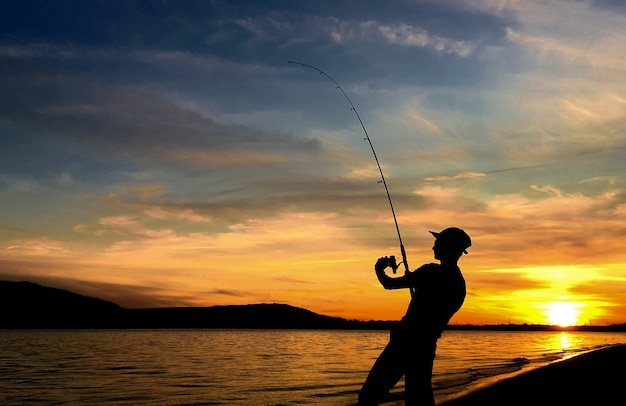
column 438, row 293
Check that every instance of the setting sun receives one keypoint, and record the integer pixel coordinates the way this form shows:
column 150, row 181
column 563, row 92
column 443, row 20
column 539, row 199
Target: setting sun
column 562, row 313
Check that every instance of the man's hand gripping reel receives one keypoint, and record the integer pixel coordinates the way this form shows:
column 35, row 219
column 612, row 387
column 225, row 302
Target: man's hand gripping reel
column 390, row 262
column 394, row 265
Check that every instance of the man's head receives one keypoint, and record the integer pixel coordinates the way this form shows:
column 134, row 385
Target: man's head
column 452, row 241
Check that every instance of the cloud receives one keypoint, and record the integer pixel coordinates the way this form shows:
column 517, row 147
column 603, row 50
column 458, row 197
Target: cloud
column 466, row 175
column 571, row 46
column 19, row 183
column 36, row 247
column 170, row 214
column 597, row 109
column 498, row 282
column 39, row 50
column 404, row 34
column 125, row 122
column 97, row 134
column 125, row 221
column 608, row 289
column 422, row 122
column 226, row 292
column 140, row 192
column 226, row 158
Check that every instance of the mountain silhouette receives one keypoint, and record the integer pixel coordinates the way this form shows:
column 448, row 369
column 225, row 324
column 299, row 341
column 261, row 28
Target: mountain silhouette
column 29, row 305
column 242, row 316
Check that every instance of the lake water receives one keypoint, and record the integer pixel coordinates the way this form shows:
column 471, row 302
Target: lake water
column 249, row 367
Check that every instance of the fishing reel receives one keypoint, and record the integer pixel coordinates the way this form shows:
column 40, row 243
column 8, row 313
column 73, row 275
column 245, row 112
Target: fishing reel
column 390, row 262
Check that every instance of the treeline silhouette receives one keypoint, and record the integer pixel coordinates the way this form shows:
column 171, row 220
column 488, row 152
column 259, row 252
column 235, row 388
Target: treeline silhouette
column 27, row 305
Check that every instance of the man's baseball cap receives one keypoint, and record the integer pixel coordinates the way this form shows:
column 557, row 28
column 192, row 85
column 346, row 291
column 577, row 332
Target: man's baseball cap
column 454, row 237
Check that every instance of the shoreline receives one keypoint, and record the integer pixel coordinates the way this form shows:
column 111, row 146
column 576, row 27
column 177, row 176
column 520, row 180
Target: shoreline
column 588, row 378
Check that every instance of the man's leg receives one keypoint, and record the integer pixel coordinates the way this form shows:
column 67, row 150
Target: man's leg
column 418, row 379
column 386, row 372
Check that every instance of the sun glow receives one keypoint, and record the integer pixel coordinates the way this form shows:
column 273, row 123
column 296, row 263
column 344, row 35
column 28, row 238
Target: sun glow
column 563, row 313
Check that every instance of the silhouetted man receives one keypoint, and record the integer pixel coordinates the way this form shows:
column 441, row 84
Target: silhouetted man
column 437, row 292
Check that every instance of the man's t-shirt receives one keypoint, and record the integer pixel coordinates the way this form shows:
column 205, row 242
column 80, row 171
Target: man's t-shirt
column 437, row 292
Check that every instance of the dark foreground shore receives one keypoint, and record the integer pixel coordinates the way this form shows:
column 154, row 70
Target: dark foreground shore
column 592, row 378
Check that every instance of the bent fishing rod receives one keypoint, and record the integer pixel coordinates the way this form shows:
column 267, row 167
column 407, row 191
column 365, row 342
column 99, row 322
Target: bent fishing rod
column 393, row 264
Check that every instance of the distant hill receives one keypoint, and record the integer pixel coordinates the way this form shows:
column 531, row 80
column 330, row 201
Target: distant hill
column 244, row 316
column 29, row 305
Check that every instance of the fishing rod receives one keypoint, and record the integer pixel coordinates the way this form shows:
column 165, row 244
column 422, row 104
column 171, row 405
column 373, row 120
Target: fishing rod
column 393, row 263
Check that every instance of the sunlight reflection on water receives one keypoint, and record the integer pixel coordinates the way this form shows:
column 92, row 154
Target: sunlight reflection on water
column 254, row 367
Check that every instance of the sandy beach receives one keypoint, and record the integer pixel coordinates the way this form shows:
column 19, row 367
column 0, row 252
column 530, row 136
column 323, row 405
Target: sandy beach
column 592, row 378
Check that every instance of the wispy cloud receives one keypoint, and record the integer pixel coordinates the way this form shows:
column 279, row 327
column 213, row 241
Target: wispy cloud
column 404, row 34
column 467, row 175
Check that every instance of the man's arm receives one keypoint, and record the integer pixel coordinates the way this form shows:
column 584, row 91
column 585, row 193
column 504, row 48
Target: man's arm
column 401, row 282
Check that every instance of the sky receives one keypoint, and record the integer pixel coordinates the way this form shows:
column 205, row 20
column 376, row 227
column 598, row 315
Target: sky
column 165, row 153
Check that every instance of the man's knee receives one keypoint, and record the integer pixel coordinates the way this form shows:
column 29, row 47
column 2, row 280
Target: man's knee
column 372, row 391
column 419, row 391
column 365, row 400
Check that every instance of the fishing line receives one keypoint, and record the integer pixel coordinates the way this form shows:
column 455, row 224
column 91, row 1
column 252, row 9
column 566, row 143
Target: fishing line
column 380, row 169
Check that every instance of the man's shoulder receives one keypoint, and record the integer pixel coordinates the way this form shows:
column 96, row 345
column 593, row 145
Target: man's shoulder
column 428, row 268
column 438, row 271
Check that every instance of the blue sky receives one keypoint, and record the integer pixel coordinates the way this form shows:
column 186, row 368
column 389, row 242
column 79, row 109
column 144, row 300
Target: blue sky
column 161, row 153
